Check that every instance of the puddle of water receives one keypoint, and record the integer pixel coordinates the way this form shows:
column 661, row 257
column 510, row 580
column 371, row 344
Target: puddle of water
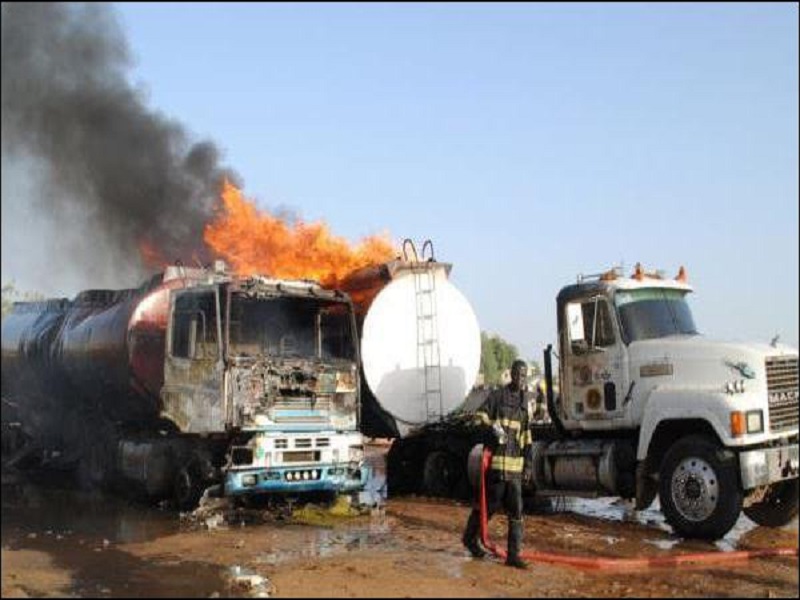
column 32, row 511
column 80, row 531
column 614, row 509
column 322, row 543
column 611, row 540
column 668, row 544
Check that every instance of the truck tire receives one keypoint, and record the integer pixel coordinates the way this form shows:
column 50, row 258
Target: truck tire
column 93, row 467
column 96, row 466
column 699, row 488
column 779, row 505
column 438, row 475
column 189, row 486
column 403, row 465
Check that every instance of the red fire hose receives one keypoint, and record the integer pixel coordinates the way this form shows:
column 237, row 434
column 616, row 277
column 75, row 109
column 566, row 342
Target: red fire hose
column 699, row 559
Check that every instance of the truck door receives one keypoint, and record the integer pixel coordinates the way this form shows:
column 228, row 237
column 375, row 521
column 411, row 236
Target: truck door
column 594, row 374
column 192, row 392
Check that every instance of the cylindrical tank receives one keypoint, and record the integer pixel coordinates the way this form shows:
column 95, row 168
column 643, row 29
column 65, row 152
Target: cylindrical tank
column 420, row 344
column 101, row 352
column 32, row 380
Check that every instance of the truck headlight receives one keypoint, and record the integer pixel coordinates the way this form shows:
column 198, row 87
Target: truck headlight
column 755, row 421
column 345, row 381
column 345, row 399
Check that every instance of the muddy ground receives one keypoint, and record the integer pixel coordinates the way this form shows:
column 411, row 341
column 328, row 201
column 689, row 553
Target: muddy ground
column 57, row 542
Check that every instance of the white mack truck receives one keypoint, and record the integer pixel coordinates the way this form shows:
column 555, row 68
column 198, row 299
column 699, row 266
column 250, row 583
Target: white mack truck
column 648, row 407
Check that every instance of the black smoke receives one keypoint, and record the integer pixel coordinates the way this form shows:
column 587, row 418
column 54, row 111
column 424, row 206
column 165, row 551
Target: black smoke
column 104, row 159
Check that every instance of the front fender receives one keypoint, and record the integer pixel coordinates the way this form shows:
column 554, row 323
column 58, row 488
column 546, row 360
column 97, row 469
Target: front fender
column 675, row 405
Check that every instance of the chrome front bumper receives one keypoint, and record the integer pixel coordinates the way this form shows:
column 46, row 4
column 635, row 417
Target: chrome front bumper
column 768, row 465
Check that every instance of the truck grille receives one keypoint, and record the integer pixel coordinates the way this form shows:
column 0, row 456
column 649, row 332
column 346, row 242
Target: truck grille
column 782, row 392
column 320, row 404
column 301, row 457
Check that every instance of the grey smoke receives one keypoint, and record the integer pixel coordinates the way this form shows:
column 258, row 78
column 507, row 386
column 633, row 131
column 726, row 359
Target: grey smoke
column 110, row 170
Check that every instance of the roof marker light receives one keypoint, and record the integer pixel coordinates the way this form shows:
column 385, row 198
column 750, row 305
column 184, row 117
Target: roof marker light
column 609, row 275
column 638, row 272
column 681, row 275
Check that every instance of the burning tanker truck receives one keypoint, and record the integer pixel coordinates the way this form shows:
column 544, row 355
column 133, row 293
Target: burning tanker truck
column 197, row 378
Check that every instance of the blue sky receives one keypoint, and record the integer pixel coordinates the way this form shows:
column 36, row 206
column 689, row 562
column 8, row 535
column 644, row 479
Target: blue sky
column 530, row 142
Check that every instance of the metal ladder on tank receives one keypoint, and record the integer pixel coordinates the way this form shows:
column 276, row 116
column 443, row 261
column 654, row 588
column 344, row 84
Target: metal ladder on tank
column 428, row 355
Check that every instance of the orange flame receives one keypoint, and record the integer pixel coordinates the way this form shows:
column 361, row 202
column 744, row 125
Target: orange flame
column 150, row 255
column 256, row 242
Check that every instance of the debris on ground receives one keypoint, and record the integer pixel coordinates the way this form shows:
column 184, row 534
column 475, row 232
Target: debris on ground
column 244, row 581
column 325, row 516
column 209, row 514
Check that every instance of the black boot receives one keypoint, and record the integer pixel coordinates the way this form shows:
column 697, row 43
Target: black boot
column 515, row 545
column 470, row 537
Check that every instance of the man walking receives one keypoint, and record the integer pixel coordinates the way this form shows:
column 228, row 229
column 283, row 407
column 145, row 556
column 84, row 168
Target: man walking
column 506, row 412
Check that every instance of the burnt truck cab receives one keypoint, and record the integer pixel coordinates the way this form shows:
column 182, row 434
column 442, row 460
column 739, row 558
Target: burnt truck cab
column 273, row 364
column 648, row 405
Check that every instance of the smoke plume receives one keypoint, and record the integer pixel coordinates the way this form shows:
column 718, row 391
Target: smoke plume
column 112, row 175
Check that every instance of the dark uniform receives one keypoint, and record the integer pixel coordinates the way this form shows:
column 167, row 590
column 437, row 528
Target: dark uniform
column 505, row 409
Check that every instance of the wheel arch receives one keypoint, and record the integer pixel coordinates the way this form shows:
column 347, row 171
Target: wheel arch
column 668, row 432
column 697, row 411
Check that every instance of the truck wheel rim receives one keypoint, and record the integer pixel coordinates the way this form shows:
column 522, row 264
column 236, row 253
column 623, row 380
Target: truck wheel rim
column 695, row 489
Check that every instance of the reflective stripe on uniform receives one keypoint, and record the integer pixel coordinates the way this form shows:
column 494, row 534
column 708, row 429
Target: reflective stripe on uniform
column 510, row 423
column 483, row 417
column 509, row 464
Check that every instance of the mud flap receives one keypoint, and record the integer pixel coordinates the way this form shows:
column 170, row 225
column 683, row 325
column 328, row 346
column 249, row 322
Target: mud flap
column 646, row 486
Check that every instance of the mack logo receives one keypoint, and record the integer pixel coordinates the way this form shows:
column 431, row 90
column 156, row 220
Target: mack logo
column 783, row 397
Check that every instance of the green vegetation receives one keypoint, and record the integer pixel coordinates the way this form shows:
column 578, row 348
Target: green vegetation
column 11, row 294
column 496, row 356
column 8, row 292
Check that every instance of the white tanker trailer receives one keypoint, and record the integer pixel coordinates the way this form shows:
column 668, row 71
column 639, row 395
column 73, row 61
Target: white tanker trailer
column 420, row 343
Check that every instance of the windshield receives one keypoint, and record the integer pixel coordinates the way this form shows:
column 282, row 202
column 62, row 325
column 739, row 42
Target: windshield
column 653, row 313
column 291, row 327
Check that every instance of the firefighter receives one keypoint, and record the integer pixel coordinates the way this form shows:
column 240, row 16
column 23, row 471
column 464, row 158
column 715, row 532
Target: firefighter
column 505, row 411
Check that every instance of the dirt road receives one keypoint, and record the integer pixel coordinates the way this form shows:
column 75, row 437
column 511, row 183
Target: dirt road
column 58, row 543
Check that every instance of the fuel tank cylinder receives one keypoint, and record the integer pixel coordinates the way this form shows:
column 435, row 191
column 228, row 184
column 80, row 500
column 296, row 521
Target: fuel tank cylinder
column 420, row 344
column 602, row 467
column 103, row 350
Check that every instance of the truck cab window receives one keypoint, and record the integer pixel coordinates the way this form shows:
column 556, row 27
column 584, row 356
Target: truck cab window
column 590, row 325
column 291, row 327
column 654, row 313
column 194, row 328
column 336, row 333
